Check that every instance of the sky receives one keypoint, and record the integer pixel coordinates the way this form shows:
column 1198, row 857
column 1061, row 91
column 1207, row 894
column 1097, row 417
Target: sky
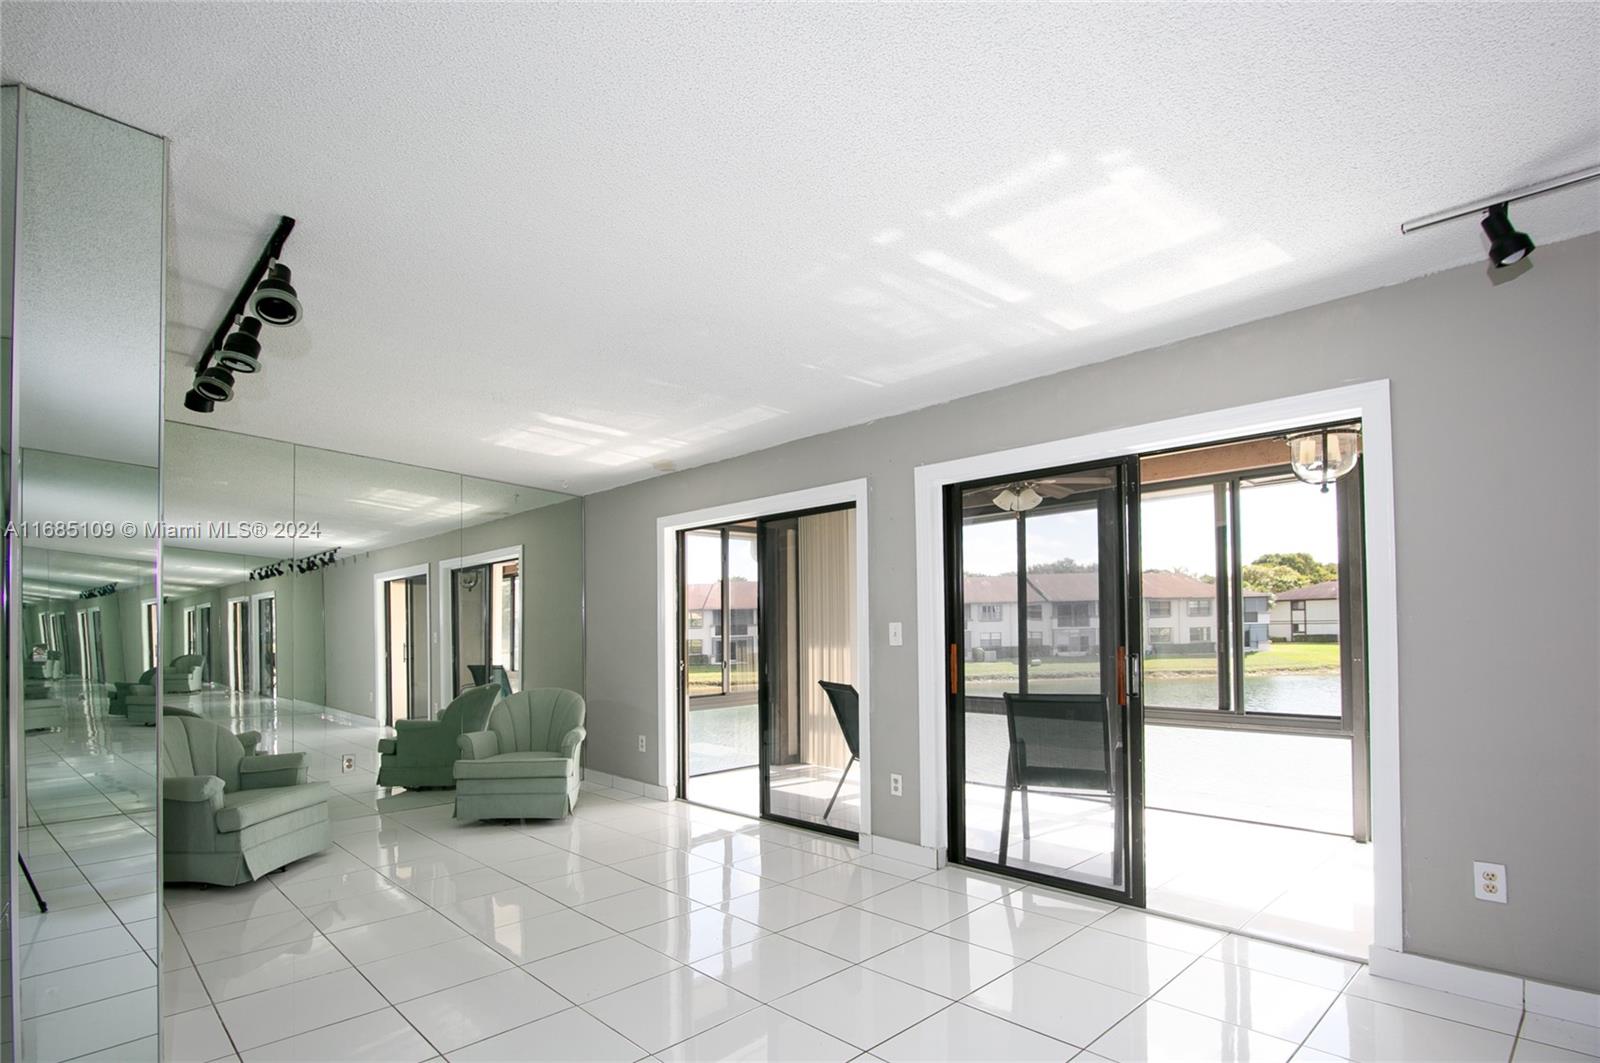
column 1176, row 531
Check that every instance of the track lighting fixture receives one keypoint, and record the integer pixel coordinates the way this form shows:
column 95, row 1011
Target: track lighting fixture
column 241, row 352
column 274, row 300
column 301, row 565
column 1507, row 246
column 266, row 296
column 216, row 384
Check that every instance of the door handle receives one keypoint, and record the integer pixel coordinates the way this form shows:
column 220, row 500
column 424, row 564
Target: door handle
column 1122, row 675
column 955, row 674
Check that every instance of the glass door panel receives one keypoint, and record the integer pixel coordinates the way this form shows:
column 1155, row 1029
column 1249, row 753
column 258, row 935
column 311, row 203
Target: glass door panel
column 810, row 707
column 1185, row 628
column 470, row 596
column 267, row 646
column 1042, row 706
column 719, row 585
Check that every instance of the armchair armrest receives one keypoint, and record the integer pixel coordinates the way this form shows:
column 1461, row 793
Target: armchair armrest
column 415, row 726
column 250, row 740
column 478, row 745
column 266, row 770
column 193, row 789
column 571, row 741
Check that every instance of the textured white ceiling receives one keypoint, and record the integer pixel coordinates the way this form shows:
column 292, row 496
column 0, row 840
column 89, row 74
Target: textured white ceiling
column 562, row 244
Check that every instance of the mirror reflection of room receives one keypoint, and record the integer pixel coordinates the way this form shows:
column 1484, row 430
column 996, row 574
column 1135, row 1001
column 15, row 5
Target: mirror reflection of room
column 84, row 238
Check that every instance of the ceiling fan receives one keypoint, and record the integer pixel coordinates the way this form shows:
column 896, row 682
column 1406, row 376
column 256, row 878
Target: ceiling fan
column 1024, row 495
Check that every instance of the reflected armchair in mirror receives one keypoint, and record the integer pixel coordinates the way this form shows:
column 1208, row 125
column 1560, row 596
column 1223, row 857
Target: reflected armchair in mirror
column 229, row 817
column 123, row 692
column 423, row 753
column 524, row 764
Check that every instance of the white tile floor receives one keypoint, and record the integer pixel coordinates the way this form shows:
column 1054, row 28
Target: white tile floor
column 638, row 929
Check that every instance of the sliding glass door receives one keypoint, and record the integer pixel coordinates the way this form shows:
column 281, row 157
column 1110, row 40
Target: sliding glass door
column 486, row 625
column 1044, row 708
column 719, row 652
column 405, row 648
column 809, row 704
column 239, row 644
column 266, row 647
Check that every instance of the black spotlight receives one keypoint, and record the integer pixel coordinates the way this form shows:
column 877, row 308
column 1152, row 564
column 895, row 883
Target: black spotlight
column 1507, row 246
column 241, row 352
column 193, row 400
column 216, row 384
column 274, row 300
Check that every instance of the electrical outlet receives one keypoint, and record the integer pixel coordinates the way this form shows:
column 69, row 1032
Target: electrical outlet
column 643, row 748
column 1489, row 882
column 347, row 763
column 897, row 785
column 897, row 634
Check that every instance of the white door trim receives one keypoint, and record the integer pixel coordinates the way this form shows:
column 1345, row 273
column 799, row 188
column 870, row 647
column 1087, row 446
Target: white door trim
column 667, row 528
column 1368, row 401
column 379, row 635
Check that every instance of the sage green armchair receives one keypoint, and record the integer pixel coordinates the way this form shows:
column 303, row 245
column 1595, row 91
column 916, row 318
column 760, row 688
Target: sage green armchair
column 228, row 818
column 123, row 693
column 183, row 674
column 423, row 753
column 524, row 764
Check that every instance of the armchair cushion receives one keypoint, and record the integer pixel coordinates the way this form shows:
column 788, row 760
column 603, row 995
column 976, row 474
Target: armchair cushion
column 247, row 808
column 532, row 764
column 272, row 769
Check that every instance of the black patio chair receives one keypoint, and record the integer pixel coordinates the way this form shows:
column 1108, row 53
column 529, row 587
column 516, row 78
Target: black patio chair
column 1057, row 742
column 847, row 710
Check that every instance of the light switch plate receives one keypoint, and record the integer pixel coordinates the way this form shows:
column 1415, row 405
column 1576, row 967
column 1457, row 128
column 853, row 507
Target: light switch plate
column 1489, row 882
column 897, row 634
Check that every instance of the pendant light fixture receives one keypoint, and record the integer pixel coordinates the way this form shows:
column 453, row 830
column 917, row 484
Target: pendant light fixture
column 1322, row 455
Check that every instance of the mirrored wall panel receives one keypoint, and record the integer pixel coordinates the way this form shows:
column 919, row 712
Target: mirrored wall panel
column 85, row 336
column 324, row 609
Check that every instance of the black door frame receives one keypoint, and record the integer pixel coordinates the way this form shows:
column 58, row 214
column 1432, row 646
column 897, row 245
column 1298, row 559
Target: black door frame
column 1127, row 656
column 762, row 657
column 763, row 711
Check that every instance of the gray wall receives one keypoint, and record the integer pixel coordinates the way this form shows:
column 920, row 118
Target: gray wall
column 1495, row 395
column 552, row 603
column 298, row 616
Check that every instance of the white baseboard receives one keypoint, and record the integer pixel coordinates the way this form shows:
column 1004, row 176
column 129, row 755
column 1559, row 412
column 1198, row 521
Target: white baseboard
column 1496, row 987
column 920, row 855
column 620, row 782
column 1574, row 1005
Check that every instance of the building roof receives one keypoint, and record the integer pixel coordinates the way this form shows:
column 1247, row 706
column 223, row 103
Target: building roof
column 1314, row 592
column 1081, row 587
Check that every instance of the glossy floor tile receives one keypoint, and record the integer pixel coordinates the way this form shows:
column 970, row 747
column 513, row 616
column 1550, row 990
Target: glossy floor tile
column 637, row 929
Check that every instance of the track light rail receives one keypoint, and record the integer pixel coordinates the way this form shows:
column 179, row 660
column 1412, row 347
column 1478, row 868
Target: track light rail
column 1479, row 206
column 269, row 254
